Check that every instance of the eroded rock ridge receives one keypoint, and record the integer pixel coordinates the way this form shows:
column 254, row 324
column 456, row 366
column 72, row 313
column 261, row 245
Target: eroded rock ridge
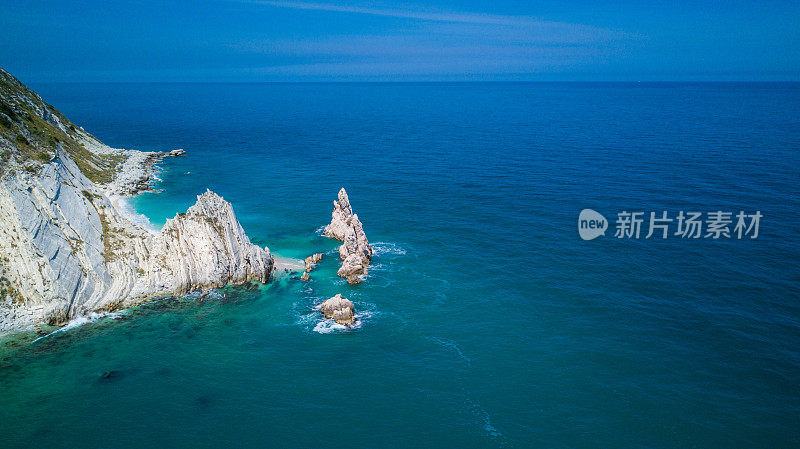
column 355, row 251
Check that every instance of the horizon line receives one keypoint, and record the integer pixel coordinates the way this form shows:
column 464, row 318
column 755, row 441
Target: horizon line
column 588, row 81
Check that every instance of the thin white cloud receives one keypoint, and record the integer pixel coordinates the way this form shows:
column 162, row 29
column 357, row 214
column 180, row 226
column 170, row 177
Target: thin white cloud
column 436, row 43
column 531, row 26
column 453, row 17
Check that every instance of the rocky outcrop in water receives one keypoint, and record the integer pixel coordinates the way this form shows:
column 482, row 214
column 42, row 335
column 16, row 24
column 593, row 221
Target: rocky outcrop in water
column 340, row 218
column 68, row 248
column 355, row 252
column 310, row 263
column 339, row 309
column 352, row 269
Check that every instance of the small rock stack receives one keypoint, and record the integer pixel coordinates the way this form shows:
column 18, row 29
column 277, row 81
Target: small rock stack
column 338, row 308
column 310, row 262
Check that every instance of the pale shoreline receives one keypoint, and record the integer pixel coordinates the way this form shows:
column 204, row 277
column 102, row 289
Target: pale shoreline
column 286, row 263
column 133, row 177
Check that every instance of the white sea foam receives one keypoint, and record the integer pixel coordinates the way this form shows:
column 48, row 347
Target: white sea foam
column 126, row 209
column 80, row 321
column 307, row 319
column 361, row 316
column 379, row 248
column 326, row 326
column 377, row 267
column 484, row 419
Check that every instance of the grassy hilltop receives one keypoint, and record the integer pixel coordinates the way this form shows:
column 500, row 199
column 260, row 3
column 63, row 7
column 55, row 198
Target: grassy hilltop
column 31, row 130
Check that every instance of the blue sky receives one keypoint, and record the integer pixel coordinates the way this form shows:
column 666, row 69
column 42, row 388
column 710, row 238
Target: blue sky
column 440, row 40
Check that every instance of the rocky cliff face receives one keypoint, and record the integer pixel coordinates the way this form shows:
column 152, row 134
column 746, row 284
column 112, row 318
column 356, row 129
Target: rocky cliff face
column 205, row 247
column 65, row 247
column 340, row 218
column 355, row 252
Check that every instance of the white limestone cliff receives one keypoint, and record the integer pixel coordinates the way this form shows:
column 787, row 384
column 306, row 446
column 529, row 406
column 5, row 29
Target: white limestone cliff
column 66, row 250
column 66, row 246
column 204, row 247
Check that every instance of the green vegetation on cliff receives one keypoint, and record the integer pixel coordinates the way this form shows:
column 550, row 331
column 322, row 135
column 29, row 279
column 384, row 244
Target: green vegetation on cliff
column 31, row 131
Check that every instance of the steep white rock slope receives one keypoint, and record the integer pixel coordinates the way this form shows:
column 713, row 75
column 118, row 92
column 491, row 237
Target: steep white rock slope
column 65, row 247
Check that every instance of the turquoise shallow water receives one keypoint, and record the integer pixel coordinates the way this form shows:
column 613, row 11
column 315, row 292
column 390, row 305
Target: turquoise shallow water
column 486, row 321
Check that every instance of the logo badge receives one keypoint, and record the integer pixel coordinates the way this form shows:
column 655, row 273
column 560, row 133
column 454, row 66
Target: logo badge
column 591, row 224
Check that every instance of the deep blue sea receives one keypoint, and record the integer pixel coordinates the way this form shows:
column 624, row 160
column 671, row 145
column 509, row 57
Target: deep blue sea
column 486, row 321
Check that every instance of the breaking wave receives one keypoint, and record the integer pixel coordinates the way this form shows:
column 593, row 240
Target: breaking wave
column 79, row 321
column 326, row 326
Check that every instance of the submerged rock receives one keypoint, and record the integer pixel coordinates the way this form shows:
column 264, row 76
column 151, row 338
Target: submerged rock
column 110, row 376
column 339, row 309
column 355, row 252
column 204, row 401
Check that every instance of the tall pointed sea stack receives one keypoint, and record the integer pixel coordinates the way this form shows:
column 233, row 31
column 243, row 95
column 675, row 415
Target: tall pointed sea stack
column 355, row 252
